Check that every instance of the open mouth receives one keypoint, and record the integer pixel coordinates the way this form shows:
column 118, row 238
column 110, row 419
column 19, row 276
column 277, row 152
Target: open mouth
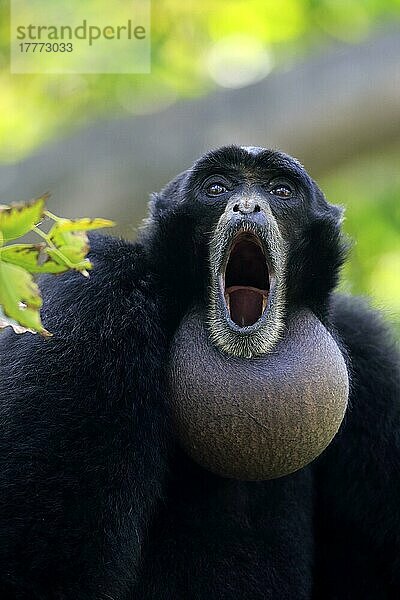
column 246, row 280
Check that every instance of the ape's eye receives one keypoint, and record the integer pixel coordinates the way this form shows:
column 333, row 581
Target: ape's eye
column 215, row 189
column 282, row 191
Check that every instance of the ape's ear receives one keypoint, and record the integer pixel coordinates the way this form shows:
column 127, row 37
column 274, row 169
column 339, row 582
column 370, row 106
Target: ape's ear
column 171, row 195
column 335, row 212
column 155, row 204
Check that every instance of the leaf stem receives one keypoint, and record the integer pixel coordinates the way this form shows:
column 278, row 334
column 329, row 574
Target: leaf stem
column 51, row 216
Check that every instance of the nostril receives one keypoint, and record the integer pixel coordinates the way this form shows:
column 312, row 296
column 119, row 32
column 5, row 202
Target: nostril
column 257, row 208
column 236, row 208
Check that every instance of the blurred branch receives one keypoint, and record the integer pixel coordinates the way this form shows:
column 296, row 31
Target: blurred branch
column 323, row 111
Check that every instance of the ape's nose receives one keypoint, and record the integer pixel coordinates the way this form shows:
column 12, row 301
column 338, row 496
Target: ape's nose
column 246, row 206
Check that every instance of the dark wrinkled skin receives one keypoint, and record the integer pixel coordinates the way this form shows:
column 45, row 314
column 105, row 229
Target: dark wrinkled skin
column 261, row 417
column 98, row 501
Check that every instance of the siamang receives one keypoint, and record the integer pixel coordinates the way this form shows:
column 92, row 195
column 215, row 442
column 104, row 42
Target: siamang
column 210, row 420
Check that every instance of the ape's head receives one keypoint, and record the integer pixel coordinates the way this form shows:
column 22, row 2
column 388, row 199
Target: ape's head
column 249, row 251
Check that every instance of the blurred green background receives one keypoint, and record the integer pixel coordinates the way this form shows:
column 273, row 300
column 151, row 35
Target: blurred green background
column 319, row 79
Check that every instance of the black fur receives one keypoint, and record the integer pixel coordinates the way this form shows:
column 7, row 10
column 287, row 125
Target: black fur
column 96, row 500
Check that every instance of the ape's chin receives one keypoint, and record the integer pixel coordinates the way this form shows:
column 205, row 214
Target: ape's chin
column 261, row 417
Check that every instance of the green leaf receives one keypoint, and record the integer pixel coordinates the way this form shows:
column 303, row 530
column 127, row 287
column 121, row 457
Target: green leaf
column 85, row 224
column 60, row 237
column 20, row 297
column 32, row 257
column 71, row 248
column 7, row 322
column 18, row 219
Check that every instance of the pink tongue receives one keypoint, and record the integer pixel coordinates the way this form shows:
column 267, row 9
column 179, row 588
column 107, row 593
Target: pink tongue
column 245, row 304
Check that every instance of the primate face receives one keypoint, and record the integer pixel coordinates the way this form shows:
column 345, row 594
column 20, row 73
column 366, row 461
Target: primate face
column 256, row 204
column 247, row 232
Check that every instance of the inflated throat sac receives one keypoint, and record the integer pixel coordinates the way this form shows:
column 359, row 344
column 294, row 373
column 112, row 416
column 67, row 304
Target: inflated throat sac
column 257, row 418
